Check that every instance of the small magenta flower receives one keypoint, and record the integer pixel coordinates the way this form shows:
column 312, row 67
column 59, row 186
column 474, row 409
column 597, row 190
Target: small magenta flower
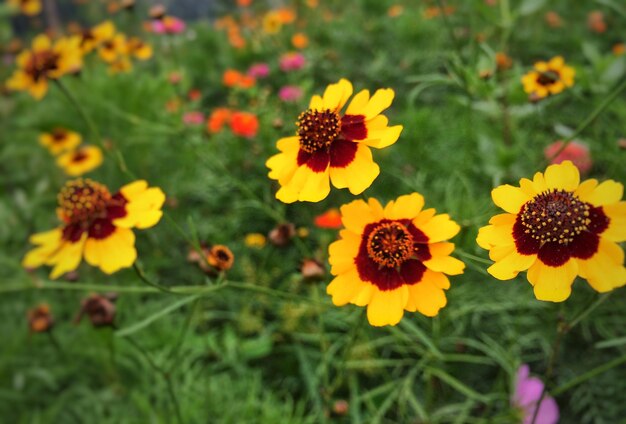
column 527, row 394
column 292, row 61
column 193, row 118
column 259, row 70
column 168, row 25
column 290, row 93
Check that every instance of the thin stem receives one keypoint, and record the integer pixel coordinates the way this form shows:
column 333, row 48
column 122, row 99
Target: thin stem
column 95, row 133
column 583, row 126
column 588, row 375
column 601, row 299
column 146, row 280
column 183, row 333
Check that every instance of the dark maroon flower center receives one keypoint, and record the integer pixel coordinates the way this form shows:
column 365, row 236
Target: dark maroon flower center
column 41, row 63
column 555, row 216
column 391, row 254
column 59, row 135
column 79, row 156
column 317, row 129
column 548, row 77
column 556, row 226
column 390, row 244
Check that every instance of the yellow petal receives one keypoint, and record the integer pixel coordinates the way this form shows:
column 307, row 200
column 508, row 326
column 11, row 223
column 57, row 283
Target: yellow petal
column 365, row 295
column 282, row 166
column 616, row 213
column 41, row 42
column 358, row 103
column 143, row 209
column 511, row 265
column 336, row 95
column 495, row 235
column 606, row 193
column 426, row 298
column 359, row 174
column 387, row 307
column 380, row 101
column 67, row 257
column 604, row 271
column 357, row 214
column 342, row 253
column 405, row 207
column 445, row 264
column 344, row 288
column 112, row 253
column 439, row 228
column 316, row 103
column 382, row 138
column 563, row 176
column 48, row 243
column 509, row 198
column 552, row 284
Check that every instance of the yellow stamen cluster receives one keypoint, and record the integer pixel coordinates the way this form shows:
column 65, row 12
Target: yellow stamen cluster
column 555, row 216
column 390, row 244
column 317, row 129
column 82, row 200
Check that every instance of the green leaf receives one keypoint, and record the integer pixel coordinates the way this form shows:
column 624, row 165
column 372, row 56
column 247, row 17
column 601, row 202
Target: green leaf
column 456, row 384
column 124, row 332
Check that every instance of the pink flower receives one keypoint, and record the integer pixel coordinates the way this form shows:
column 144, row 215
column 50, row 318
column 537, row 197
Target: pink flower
column 528, row 391
column 292, row 61
column 168, row 25
column 193, row 118
column 290, row 93
column 259, row 70
column 577, row 152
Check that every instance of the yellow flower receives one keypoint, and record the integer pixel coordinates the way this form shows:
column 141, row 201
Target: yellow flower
column 111, row 48
column 80, row 161
column 548, row 78
column 333, row 147
column 557, row 228
column 45, row 62
column 393, row 259
column 60, row 140
column 138, row 48
column 272, row 22
column 121, row 64
column 27, row 7
column 97, row 226
column 92, row 38
column 256, row 240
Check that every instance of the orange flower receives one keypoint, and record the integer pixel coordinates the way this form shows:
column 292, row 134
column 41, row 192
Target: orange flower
column 329, row 219
column 244, row 124
column 244, row 3
column 395, row 10
column 194, row 94
column 503, row 61
column 231, row 77
column 595, row 22
column 299, row 40
column 286, row 15
column 619, row 49
column 219, row 117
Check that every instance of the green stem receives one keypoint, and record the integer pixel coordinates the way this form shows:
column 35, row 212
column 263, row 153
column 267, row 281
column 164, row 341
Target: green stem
column 601, row 299
column 588, row 375
column 95, row 133
column 149, row 282
column 583, row 126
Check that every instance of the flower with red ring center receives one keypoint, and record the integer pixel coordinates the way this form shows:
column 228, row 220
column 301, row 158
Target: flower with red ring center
column 557, row 228
column 393, row 259
column 333, row 147
column 96, row 226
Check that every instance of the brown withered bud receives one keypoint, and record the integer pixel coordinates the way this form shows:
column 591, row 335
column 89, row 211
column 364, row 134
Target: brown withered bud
column 220, row 257
column 312, row 269
column 282, row 234
column 340, row 407
column 157, row 11
column 621, row 143
column 100, row 309
column 278, row 123
column 40, row 319
column 71, row 276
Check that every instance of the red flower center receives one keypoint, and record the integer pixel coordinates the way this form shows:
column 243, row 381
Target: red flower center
column 548, row 78
column 59, row 135
column 81, row 201
column 390, row 244
column 41, row 63
column 555, row 216
column 317, row 129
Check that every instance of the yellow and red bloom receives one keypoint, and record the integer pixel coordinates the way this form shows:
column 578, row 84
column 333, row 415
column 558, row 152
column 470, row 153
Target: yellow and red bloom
column 393, row 259
column 92, row 38
column 112, row 48
column 557, row 228
column 139, row 48
column 45, row 62
column 80, row 161
column 333, row 147
column 96, row 225
column 548, row 78
column 27, row 7
column 60, row 140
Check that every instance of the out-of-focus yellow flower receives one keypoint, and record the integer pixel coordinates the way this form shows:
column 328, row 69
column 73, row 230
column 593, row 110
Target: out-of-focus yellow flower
column 27, row 7
column 111, row 48
column 395, row 10
column 548, row 78
column 45, row 62
column 272, row 22
column 92, row 38
column 255, row 240
column 80, row 161
column 60, row 140
column 619, row 49
column 138, row 48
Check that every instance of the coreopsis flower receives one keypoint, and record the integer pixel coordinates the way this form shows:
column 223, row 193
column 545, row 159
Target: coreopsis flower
column 112, row 48
column 40, row 319
column 45, row 62
column 393, row 259
column 272, row 22
column 27, row 7
column 220, row 257
column 120, row 65
column 138, row 48
column 333, row 147
column 92, row 38
column 100, row 309
column 60, row 140
column 80, row 161
column 255, row 240
column 527, row 394
column 548, row 78
column 96, row 225
column 282, row 234
column 557, row 228
column 244, row 124
column 574, row 151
